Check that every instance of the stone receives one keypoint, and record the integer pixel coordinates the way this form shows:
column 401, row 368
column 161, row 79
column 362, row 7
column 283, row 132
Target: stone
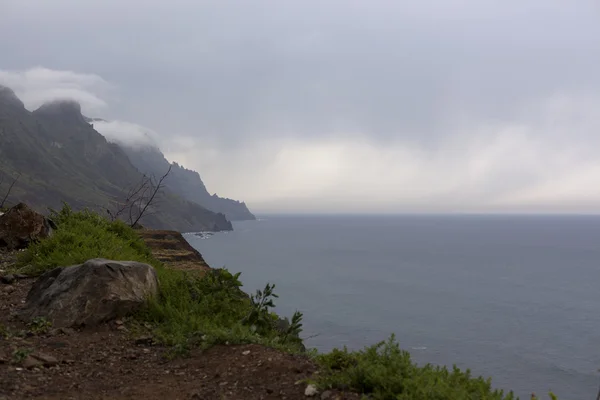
column 31, row 362
column 246, row 352
column 21, row 226
column 326, row 395
column 8, row 279
column 144, row 341
column 8, row 289
column 311, row 391
column 45, row 359
column 91, row 293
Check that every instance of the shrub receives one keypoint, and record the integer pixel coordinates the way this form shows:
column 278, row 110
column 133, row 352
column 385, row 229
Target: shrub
column 79, row 237
column 211, row 309
column 384, row 371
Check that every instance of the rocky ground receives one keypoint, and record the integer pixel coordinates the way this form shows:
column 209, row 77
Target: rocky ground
column 112, row 362
column 171, row 248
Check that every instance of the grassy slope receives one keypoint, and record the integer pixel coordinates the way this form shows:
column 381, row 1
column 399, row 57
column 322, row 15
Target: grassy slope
column 205, row 309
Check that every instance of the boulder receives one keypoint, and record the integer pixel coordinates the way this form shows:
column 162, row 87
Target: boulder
column 20, row 226
column 91, row 293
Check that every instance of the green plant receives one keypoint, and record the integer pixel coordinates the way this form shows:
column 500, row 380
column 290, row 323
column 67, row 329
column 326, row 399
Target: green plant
column 79, row 237
column 295, row 327
column 21, row 354
column 259, row 317
column 4, row 332
column 206, row 310
column 39, row 325
column 384, row 371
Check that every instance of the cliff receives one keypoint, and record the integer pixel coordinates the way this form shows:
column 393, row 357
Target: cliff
column 59, row 157
column 185, row 183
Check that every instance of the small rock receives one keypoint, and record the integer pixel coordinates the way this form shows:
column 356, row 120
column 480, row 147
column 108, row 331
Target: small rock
column 311, row 391
column 21, row 276
column 8, row 279
column 246, row 352
column 31, row 362
column 144, row 340
column 119, row 322
column 46, row 360
column 61, row 331
column 326, row 395
column 8, row 289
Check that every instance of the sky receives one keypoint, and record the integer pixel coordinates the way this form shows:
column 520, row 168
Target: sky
column 335, row 106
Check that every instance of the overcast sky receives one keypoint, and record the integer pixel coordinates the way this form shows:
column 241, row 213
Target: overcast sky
column 340, row 105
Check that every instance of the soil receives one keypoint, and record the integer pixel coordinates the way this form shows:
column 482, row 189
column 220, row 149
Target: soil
column 110, row 362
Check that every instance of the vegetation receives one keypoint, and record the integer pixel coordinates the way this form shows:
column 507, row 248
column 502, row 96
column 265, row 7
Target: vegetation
column 384, row 371
column 191, row 309
column 39, row 325
column 21, row 354
column 200, row 310
column 81, row 236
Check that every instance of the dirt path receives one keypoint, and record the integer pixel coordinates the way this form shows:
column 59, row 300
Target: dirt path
column 111, row 363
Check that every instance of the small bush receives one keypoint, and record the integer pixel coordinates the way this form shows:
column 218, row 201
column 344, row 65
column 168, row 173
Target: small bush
column 81, row 236
column 39, row 325
column 385, row 372
column 211, row 309
column 19, row 355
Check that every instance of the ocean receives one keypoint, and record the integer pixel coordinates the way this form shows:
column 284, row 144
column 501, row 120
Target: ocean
column 515, row 298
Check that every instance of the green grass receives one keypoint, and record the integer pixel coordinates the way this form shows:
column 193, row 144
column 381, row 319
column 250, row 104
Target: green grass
column 81, row 236
column 386, row 372
column 200, row 311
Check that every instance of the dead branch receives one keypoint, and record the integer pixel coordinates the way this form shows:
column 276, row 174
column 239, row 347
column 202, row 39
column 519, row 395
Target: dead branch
column 140, row 198
column 157, row 188
column 9, row 190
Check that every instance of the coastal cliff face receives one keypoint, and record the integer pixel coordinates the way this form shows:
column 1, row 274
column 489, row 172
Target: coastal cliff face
column 184, row 182
column 59, row 157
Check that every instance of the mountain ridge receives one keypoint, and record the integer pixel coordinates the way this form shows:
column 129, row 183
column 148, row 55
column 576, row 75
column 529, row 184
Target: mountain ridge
column 187, row 183
column 59, row 157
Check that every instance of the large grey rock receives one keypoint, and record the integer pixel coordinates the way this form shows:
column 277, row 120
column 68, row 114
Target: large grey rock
column 91, row 293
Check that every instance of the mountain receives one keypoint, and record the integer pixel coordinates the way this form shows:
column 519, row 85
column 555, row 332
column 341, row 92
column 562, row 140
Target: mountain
column 58, row 157
column 184, row 182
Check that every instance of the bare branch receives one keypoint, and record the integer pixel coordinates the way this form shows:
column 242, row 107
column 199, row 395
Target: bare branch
column 159, row 185
column 9, row 190
column 140, row 200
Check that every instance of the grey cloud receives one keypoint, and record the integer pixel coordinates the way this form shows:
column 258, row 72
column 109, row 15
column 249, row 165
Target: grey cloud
column 241, row 82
